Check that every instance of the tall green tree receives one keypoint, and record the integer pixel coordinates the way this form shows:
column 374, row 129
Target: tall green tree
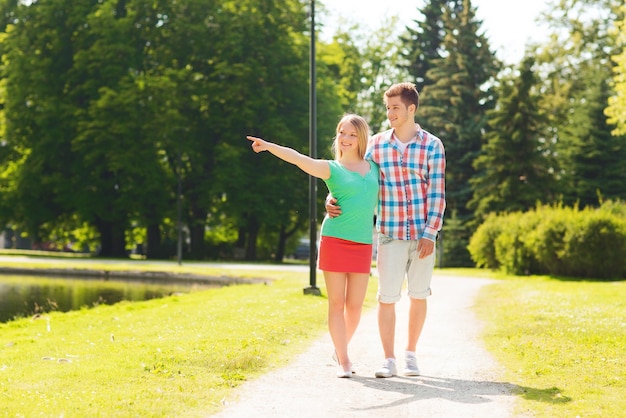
column 368, row 61
column 264, row 92
column 39, row 111
column 577, row 65
column 593, row 166
column 513, row 171
column 8, row 154
column 114, row 108
column 454, row 106
column 456, row 102
column 616, row 110
column 121, row 177
column 383, row 65
column 422, row 42
column 190, row 51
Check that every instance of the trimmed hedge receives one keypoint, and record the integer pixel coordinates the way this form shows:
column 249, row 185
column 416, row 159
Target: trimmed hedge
column 589, row 243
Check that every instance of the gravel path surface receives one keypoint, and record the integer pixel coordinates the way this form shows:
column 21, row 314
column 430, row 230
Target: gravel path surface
column 459, row 377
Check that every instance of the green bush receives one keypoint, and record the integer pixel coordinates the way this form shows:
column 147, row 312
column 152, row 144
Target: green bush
column 482, row 243
column 546, row 239
column 594, row 246
column 508, row 244
column 588, row 243
column 454, row 239
column 513, row 254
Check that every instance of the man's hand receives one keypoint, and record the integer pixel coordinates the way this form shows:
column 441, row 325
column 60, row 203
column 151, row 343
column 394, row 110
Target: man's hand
column 331, row 208
column 425, row 247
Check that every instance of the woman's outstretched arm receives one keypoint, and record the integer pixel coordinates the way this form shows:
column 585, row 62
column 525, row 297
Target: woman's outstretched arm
column 316, row 168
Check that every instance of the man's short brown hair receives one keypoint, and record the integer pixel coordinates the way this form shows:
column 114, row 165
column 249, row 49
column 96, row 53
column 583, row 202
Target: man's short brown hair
column 407, row 92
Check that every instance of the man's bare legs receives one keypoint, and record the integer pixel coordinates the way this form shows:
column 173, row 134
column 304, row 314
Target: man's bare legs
column 417, row 317
column 387, row 327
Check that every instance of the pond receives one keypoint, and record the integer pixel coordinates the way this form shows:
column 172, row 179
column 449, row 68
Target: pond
column 23, row 296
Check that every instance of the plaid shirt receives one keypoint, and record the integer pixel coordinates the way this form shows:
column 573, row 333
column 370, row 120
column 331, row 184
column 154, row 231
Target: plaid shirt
column 412, row 185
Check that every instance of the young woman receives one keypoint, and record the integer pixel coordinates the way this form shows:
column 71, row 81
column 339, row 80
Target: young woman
column 345, row 254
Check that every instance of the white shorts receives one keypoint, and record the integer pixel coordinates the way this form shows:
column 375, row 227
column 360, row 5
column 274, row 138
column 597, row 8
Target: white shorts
column 396, row 260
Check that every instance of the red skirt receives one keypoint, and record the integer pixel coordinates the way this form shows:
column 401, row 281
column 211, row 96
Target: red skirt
column 340, row 255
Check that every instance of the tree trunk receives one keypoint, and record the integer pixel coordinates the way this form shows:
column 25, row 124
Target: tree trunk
column 196, row 238
column 112, row 239
column 283, row 236
column 282, row 242
column 253, row 233
column 154, row 248
column 197, row 228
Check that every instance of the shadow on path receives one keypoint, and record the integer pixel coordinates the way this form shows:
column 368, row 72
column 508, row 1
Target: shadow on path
column 453, row 390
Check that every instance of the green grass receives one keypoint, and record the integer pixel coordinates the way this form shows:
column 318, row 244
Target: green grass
column 562, row 342
column 38, row 253
column 178, row 356
column 80, row 263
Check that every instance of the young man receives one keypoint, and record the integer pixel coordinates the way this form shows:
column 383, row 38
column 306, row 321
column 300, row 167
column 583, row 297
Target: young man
column 410, row 214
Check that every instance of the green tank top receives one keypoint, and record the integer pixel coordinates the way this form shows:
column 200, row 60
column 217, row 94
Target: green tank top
column 357, row 195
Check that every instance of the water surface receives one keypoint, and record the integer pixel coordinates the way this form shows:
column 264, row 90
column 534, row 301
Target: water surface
column 23, row 296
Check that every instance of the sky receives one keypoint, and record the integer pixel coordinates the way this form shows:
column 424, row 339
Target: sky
column 509, row 24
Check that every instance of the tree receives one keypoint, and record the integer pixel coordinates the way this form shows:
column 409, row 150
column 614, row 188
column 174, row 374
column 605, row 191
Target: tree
column 513, row 171
column 593, row 160
column 382, row 66
column 264, row 92
column 616, row 110
column 39, row 53
column 454, row 105
column 120, row 177
column 576, row 63
column 422, row 44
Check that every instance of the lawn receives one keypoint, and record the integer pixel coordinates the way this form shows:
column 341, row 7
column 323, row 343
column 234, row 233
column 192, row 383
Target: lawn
column 563, row 342
column 177, row 356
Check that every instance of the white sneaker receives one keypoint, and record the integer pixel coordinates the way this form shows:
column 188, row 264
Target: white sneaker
column 410, row 368
column 388, row 370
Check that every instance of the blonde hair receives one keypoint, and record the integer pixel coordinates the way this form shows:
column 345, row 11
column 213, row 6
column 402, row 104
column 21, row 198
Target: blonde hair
column 362, row 131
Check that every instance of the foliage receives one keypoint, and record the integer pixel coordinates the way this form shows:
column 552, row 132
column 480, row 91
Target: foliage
column 123, row 100
column 515, row 136
column 454, row 106
column 454, row 239
column 423, row 42
column 616, row 110
column 558, row 240
column 482, row 243
column 106, row 107
column 383, row 65
column 451, row 61
column 576, row 67
column 512, row 252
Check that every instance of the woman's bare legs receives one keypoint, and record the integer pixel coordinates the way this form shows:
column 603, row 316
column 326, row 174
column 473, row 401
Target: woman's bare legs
column 346, row 292
column 355, row 295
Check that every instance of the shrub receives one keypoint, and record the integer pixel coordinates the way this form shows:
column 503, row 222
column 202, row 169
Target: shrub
column 482, row 243
column 511, row 250
column 545, row 241
column 561, row 241
column 454, row 239
column 594, row 246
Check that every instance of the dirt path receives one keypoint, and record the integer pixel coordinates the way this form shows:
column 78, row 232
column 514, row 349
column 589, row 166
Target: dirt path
column 459, row 377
